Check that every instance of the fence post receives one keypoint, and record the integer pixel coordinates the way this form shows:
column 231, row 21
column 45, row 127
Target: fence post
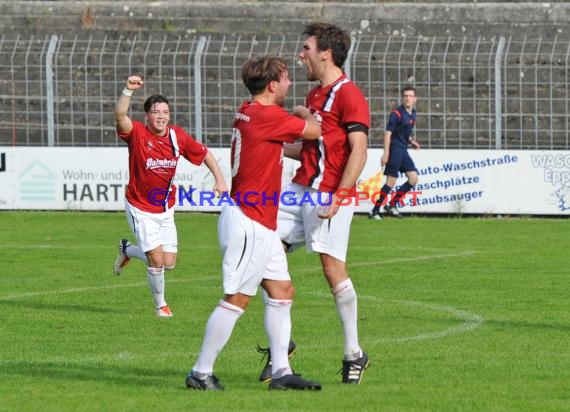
column 498, row 101
column 346, row 66
column 49, row 91
column 198, row 87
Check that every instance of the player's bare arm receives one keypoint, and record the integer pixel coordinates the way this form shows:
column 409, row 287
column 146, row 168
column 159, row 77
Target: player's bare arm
column 124, row 123
column 414, row 144
column 358, row 142
column 293, row 150
column 387, row 142
column 211, row 163
column 313, row 128
column 312, row 132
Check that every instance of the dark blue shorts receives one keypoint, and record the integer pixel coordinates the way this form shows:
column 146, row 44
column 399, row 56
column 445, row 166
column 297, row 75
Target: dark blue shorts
column 399, row 161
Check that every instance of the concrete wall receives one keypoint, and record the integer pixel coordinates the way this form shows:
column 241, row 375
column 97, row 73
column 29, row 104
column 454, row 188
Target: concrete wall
column 111, row 19
column 381, row 18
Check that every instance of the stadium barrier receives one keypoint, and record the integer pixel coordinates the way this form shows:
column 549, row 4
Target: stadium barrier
column 474, row 92
column 528, row 182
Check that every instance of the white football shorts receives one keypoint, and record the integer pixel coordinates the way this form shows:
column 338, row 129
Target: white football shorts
column 250, row 253
column 298, row 222
column 152, row 230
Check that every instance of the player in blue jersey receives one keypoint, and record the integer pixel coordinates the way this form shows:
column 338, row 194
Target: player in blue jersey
column 397, row 138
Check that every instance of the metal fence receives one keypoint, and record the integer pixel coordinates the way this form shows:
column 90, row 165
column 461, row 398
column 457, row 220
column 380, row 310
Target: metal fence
column 473, row 93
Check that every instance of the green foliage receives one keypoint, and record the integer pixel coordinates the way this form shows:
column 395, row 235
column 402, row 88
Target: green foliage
column 169, row 26
column 456, row 314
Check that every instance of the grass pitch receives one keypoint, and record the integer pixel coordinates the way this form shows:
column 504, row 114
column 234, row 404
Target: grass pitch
column 457, row 314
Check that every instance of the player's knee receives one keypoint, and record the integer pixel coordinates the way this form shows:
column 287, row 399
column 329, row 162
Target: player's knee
column 169, row 261
column 334, row 269
column 238, row 299
column 288, row 290
column 156, row 262
column 413, row 179
column 279, row 290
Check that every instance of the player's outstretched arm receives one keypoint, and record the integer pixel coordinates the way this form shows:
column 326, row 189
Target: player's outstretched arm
column 293, row 150
column 124, row 123
column 211, row 163
column 313, row 129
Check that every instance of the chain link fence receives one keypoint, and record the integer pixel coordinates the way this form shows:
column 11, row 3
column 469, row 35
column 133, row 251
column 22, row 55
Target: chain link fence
column 474, row 93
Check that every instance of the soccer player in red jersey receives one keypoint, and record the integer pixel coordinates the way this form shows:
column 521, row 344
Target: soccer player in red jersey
column 154, row 152
column 330, row 166
column 252, row 251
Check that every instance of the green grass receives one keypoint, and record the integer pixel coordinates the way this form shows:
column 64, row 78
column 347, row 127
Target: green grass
column 457, row 314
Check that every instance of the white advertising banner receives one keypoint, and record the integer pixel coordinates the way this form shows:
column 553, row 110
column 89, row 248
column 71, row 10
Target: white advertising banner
column 487, row 181
column 451, row 181
column 65, row 178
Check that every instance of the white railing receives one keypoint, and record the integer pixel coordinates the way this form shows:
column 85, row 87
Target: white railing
column 474, row 93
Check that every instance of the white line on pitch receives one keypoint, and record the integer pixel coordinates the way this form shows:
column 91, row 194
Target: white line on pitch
column 92, row 288
column 303, row 270
column 395, row 260
column 470, row 320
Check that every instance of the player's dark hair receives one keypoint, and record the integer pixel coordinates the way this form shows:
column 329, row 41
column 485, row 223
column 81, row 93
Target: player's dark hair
column 329, row 36
column 258, row 72
column 409, row 89
column 152, row 100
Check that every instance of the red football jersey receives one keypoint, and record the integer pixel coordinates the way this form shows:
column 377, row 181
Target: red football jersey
column 257, row 158
column 152, row 165
column 323, row 160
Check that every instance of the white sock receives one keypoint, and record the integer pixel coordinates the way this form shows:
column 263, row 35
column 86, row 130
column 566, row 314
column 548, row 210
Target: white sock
column 134, row 251
column 155, row 278
column 278, row 328
column 345, row 299
column 218, row 331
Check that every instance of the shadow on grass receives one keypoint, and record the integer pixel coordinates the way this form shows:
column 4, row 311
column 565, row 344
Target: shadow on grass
column 75, row 371
column 116, row 375
column 65, row 307
column 518, row 324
